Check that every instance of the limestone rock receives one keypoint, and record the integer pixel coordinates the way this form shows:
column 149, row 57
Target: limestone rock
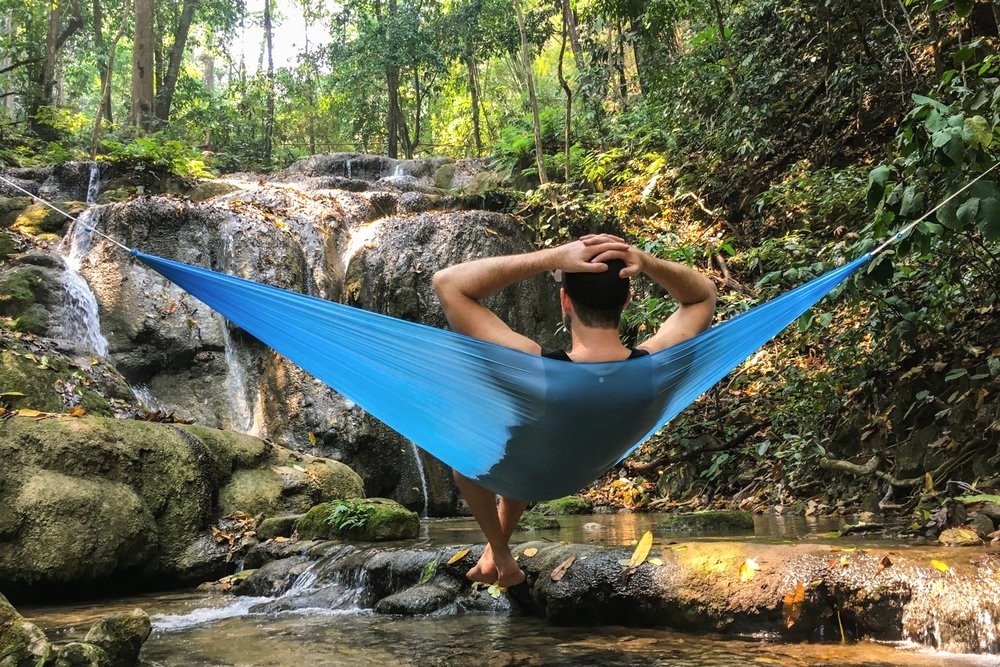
column 121, row 636
column 278, row 526
column 563, row 506
column 22, row 644
column 81, row 654
column 532, row 520
column 709, row 520
column 86, row 499
column 369, row 520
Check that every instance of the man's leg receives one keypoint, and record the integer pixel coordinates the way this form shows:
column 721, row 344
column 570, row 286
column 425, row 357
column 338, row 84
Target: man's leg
column 483, row 504
column 510, row 513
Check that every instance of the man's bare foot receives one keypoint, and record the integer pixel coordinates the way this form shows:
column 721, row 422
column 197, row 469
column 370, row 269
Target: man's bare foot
column 484, row 571
column 510, row 574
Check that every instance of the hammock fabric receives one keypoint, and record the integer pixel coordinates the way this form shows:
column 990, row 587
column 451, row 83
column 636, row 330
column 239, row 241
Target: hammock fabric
column 521, row 425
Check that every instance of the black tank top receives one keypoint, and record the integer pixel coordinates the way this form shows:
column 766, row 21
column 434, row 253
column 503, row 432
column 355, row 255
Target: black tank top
column 562, row 356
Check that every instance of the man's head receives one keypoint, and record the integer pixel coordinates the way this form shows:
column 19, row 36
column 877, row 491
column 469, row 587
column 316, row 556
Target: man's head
column 595, row 299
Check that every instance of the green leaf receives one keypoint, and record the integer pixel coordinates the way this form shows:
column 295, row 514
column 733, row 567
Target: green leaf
column 912, row 202
column 979, row 498
column 967, row 212
column 955, row 373
column 989, row 218
column 977, row 132
column 428, row 573
column 877, row 180
column 963, row 7
column 955, row 150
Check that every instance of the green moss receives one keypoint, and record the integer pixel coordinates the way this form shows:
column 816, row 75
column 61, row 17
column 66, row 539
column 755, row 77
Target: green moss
column 21, row 642
column 532, row 520
column 254, row 491
column 40, row 219
column 26, row 375
column 208, row 189
column 231, row 450
column 7, row 245
column 10, row 208
column 115, row 195
column 563, row 506
column 365, row 519
column 709, row 520
column 444, row 176
column 17, row 290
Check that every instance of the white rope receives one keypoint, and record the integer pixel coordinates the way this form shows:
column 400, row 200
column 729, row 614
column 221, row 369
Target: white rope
column 55, row 208
column 902, row 232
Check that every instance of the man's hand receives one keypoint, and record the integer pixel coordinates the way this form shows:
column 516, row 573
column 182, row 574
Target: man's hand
column 615, row 247
column 581, row 256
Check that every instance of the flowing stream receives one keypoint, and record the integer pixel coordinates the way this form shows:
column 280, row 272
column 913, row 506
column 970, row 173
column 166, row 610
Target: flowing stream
column 322, row 620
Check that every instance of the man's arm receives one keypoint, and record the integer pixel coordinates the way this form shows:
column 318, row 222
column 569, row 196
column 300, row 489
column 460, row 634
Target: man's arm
column 461, row 288
column 694, row 292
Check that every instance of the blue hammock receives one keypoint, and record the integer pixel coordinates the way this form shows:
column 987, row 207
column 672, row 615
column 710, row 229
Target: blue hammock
column 521, row 425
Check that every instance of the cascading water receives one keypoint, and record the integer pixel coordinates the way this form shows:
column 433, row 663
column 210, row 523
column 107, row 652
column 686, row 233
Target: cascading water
column 237, row 388
column 78, row 319
column 423, row 478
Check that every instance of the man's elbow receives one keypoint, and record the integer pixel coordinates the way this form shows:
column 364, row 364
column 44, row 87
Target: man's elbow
column 440, row 280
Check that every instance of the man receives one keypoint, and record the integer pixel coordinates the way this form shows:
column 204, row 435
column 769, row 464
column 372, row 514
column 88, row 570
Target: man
column 595, row 274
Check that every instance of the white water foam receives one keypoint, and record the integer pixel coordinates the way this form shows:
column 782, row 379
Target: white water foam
column 174, row 622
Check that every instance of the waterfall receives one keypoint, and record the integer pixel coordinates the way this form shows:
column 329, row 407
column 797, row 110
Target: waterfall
column 398, row 171
column 348, row 165
column 237, row 388
column 423, row 478
column 77, row 318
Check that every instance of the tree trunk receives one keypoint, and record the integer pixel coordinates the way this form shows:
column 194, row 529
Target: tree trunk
column 637, row 37
column 9, row 100
column 470, row 64
column 165, row 95
column 720, row 25
column 392, row 86
column 105, row 106
column 269, row 121
column 567, row 90
column 936, row 43
column 208, row 78
column 141, row 113
column 543, row 178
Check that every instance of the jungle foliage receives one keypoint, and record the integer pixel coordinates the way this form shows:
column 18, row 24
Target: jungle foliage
column 765, row 141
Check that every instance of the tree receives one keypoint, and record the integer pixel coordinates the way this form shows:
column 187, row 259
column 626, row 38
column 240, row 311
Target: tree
column 142, row 113
column 269, row 82
column 532, row 98
column 165, row 94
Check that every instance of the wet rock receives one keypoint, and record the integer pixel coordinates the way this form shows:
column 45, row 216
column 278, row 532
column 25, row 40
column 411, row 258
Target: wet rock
column 94, row 498
column 38, row 219
column 723, row 520
column 121, row 636
column 22, row 644
column 421, row 599
column 562, row 506
column 273, row 578
column 80, row 654
column 960, row 537
column 982, row 524
column 992, row 511
column 532, row 520
column 369, row 520
column 273, row 549
column 66, row 180
column 278, row 526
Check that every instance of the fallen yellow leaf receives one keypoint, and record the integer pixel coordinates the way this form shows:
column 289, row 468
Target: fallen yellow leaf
column 459, row 555
column 940, row 565
column 77, row 412
column 642, row 550
column 530, row 552
column 791, row 607
column 312, row 438
column 654, row 561
column 29, row 413
column 560, row 570
column 748, row 569
column 496, row 590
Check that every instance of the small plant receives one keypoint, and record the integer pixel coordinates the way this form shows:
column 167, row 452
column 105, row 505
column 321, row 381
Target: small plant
column 345, row 516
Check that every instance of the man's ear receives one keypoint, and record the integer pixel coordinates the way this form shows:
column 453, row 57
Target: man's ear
column 565, row 301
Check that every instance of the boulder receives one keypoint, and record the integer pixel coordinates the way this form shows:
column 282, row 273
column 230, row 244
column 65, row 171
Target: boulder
column 532, row 520
column 85, row 500
column 80, row 654
column 22, row 644
column 367, row 520
column 278, row 526
column 121, row 636
column 563, row 506
column 709, row 520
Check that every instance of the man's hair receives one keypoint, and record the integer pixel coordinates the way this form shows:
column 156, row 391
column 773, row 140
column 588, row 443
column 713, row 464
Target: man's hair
column 598, row 298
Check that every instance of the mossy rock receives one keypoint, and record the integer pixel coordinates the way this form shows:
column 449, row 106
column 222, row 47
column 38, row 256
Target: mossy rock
column 363, row 519
column 38, row 382
column 39, row 219
column 709, row 520
column 444, row 176
column 84, row 499
column 121, row 636
column 564, row 506
column 18, row 289
column 115, row 195
column 11, row 207
column 21, row 642
column 532, row 520
column 8, row 245
column 79, row 654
